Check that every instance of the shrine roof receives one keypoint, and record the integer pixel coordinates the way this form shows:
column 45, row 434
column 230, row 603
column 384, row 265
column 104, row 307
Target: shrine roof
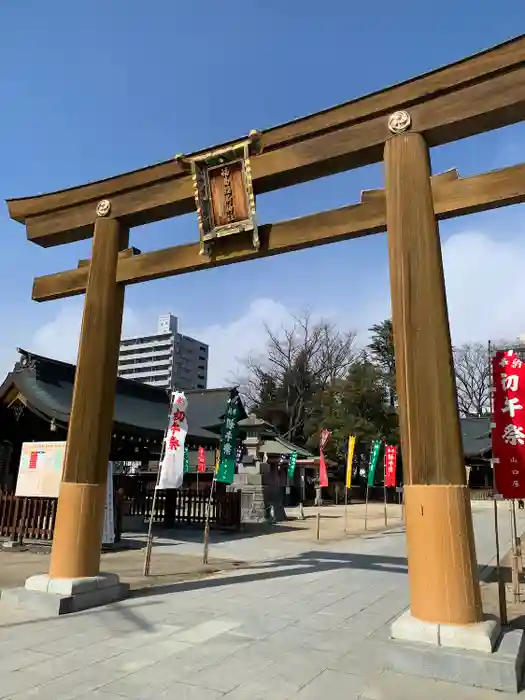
column 279, row 446
column 47, row 386
column 475, row 433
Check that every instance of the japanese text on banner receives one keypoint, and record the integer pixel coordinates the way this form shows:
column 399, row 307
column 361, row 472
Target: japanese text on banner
column 201, row 462
column 508, row 430
column 172, row 465
column 374, row 456
column 228, row 449
column 390, row 465
column 291, row 464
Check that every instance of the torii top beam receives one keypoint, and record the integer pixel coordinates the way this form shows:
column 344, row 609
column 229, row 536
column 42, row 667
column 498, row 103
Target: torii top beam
column 477, row 94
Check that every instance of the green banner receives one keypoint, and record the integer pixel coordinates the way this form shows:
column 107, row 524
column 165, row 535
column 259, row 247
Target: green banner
column 186, row 461
column 374, row 457
column 226, row 469
column 291, row 464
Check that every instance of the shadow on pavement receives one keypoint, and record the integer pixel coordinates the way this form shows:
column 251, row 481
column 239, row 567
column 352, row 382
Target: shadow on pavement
column 304, row 563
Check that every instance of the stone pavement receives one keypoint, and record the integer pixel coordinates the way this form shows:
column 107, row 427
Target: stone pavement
column 297, row 627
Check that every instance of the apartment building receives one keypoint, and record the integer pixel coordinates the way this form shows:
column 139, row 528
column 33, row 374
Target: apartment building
column 166, row 359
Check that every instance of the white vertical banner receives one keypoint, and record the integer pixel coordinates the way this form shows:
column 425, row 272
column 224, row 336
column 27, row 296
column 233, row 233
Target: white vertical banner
column 108, row 533
column 172, row 465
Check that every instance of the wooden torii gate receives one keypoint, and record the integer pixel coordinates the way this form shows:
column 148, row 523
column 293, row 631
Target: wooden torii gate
column 398, row 124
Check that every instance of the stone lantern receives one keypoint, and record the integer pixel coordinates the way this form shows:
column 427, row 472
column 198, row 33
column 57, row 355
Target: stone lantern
column 254, row 428
column 261, row 501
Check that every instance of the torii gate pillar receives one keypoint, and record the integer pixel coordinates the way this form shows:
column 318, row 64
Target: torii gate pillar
column 74, row 571
column 442, row 568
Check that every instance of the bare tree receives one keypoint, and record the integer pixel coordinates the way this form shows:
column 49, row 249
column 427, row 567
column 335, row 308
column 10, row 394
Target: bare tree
column 297, row 362
column 471, row 364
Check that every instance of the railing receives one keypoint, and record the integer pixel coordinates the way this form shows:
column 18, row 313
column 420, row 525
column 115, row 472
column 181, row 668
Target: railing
column 33, row 518
column 481, row 494
column 188, row 508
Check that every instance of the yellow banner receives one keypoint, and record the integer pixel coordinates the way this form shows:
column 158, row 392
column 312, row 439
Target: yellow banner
column 349, row 460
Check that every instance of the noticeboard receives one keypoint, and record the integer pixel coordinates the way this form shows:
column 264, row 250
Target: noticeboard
column 40, row 470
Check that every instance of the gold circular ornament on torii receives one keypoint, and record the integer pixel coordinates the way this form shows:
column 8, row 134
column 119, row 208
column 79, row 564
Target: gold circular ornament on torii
column 399, row 121
column 103, row 207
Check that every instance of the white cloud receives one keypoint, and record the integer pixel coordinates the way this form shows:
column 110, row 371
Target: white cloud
column 485, row 278
column 59, row 337
column 231, row 342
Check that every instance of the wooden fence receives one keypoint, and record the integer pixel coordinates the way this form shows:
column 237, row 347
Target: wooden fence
column 35, row 517
column 189, row 508
column 481, row 494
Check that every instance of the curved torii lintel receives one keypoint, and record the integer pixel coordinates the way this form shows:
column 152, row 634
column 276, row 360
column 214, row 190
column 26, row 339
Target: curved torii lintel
column 483, row 92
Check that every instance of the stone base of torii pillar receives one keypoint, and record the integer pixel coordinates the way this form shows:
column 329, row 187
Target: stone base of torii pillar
column 46, row 596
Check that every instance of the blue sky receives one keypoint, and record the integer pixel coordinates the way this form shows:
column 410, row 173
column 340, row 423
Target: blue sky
column 92, row 89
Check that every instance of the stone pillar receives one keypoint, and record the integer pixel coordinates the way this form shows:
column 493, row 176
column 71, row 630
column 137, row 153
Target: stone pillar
column 442, row 566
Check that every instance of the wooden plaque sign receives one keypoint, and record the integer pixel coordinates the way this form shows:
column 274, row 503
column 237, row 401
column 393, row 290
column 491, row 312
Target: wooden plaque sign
column 222, row 185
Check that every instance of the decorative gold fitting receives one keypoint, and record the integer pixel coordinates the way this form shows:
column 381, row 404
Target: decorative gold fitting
column 399, row 121
column 103, row 207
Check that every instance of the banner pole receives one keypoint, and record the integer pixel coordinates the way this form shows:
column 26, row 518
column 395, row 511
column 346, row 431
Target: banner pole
column 366, row 508
column 206, row 541
column 516, row 537
column 149, row 541
column 384, row 485
column 346, row 509
column 502, row 598
column 514, row 564
column 348, row 475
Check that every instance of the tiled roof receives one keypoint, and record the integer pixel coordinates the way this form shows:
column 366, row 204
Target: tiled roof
column 47, row 385
column 475, row 433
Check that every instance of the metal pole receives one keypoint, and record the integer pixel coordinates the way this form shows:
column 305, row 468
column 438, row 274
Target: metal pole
column 501, row 584
column 22, row 524
column 207, row 524
column 384, row 498
column 206, row 541
column 149, row 541
column 502, row 598
column 517, row 538
column 515, row 569
column 346, row 509
column 318, row 525
column 366, row 508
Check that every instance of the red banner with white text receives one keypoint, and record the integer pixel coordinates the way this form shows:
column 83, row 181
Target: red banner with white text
column 201, row 461
column 508, row 428
column 390, row 465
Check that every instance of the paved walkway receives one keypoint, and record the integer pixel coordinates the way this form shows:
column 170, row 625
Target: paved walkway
column 296, row 626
